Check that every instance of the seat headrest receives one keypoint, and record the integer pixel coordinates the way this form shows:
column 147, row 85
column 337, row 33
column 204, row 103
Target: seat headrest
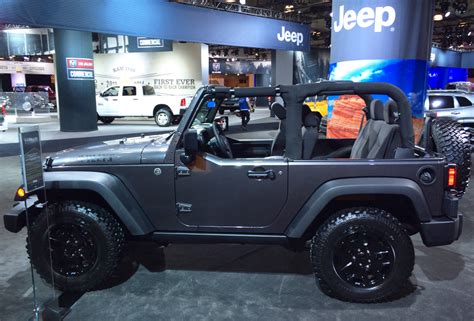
column 391, row 112
column 279, row 110
column 311, row 120
column 376, row 110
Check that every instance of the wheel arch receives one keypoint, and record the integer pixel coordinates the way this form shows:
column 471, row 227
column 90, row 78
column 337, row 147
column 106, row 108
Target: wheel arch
column 404, row 195
column 161, row 106
column 101, row 187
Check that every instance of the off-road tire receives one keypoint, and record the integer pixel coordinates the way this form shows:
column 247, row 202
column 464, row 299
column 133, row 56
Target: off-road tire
column 453, row 141
column 87, row 218
column 163, row 112
column 357, row 221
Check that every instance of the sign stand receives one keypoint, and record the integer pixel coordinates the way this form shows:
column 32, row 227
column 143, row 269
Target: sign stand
column 58, row 307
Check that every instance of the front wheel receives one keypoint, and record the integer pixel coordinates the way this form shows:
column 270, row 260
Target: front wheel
column 163, row 117
column 362, row 255
column 75, row 245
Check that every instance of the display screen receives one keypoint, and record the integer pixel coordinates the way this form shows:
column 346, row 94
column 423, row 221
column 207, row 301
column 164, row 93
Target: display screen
column 408, row 75
column 31, row 160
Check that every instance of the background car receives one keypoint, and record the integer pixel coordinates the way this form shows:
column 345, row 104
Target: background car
column 231, row 104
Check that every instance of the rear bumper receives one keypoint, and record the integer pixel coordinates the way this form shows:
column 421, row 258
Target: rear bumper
column 15, row 219
column 443, row 230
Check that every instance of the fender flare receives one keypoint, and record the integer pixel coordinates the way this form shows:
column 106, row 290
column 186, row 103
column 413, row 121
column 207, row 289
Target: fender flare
column 353, row 186
column 111, row 189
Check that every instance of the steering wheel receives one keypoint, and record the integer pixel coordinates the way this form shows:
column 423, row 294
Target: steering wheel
column 222, row 143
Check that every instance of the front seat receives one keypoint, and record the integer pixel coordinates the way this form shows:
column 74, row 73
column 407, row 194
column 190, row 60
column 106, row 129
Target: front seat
column 278, row 144
column 377, row 138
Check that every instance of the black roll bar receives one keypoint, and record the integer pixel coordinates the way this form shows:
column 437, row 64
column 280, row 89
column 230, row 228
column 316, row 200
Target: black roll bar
column 294, row 96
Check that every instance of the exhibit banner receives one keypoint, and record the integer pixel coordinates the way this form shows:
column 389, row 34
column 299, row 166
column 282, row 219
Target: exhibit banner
column 160, row 19
column 31, row 164
column 176, row 72
column 26, row 67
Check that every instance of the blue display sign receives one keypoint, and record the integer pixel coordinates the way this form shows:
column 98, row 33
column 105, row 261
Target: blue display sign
column 160, row 19
column 80, row 68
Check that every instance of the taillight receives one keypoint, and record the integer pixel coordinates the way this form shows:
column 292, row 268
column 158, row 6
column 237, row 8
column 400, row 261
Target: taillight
column 183, row 102
column 452, row 173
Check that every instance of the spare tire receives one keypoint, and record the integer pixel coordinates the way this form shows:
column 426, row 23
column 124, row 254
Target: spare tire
column 451, row 140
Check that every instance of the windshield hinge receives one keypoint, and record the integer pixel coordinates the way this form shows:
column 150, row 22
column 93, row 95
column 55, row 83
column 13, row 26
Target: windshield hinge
column 182, row 171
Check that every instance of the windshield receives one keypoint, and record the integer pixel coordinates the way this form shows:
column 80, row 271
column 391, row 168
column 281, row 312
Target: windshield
column 206, row 112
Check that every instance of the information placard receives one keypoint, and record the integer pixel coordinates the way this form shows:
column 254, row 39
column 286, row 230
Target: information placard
column 31, row 164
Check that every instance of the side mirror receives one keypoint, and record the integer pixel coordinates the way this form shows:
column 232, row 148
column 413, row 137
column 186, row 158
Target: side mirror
column 190, row 143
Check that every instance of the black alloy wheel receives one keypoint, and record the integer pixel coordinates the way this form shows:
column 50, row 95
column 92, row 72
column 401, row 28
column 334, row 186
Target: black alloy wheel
column 363, row 259
column 362, row 255
column 73, row 249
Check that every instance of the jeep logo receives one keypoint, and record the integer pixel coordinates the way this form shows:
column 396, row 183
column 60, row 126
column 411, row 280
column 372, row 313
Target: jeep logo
column 295, row 37
column 366, row 17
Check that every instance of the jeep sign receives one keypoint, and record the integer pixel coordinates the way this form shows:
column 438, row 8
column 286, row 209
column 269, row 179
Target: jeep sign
column 366, row 17
column 382, row 29
column 287, row 36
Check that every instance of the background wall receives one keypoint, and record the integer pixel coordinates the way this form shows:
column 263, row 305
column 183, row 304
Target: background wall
column 311, row 66
column 177, row 72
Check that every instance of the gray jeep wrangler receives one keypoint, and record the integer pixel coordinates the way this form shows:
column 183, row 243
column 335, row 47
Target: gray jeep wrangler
column 354, row 203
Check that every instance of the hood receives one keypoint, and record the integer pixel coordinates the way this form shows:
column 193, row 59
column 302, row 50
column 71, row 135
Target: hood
column 113, row 152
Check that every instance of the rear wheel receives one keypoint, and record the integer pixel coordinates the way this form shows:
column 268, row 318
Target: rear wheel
column 362, row 255
column 451, row 140
column 75, row 245
column 106, row 119
column 163, row 117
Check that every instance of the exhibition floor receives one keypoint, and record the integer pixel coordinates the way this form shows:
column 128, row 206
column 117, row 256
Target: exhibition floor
column 237, row 282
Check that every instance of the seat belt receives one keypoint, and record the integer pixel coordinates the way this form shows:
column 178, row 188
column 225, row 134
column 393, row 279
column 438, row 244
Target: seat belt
column 364, row 115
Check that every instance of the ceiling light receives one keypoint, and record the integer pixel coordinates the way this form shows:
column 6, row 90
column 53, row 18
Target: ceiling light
column 469, row 33
column 447, row 14
column 438, row 17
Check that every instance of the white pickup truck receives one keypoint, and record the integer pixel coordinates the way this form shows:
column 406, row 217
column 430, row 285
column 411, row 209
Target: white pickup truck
column 139, row 101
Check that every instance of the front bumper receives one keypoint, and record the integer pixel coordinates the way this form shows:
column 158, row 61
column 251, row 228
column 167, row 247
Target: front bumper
column 443, row 230
column 15, row 219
